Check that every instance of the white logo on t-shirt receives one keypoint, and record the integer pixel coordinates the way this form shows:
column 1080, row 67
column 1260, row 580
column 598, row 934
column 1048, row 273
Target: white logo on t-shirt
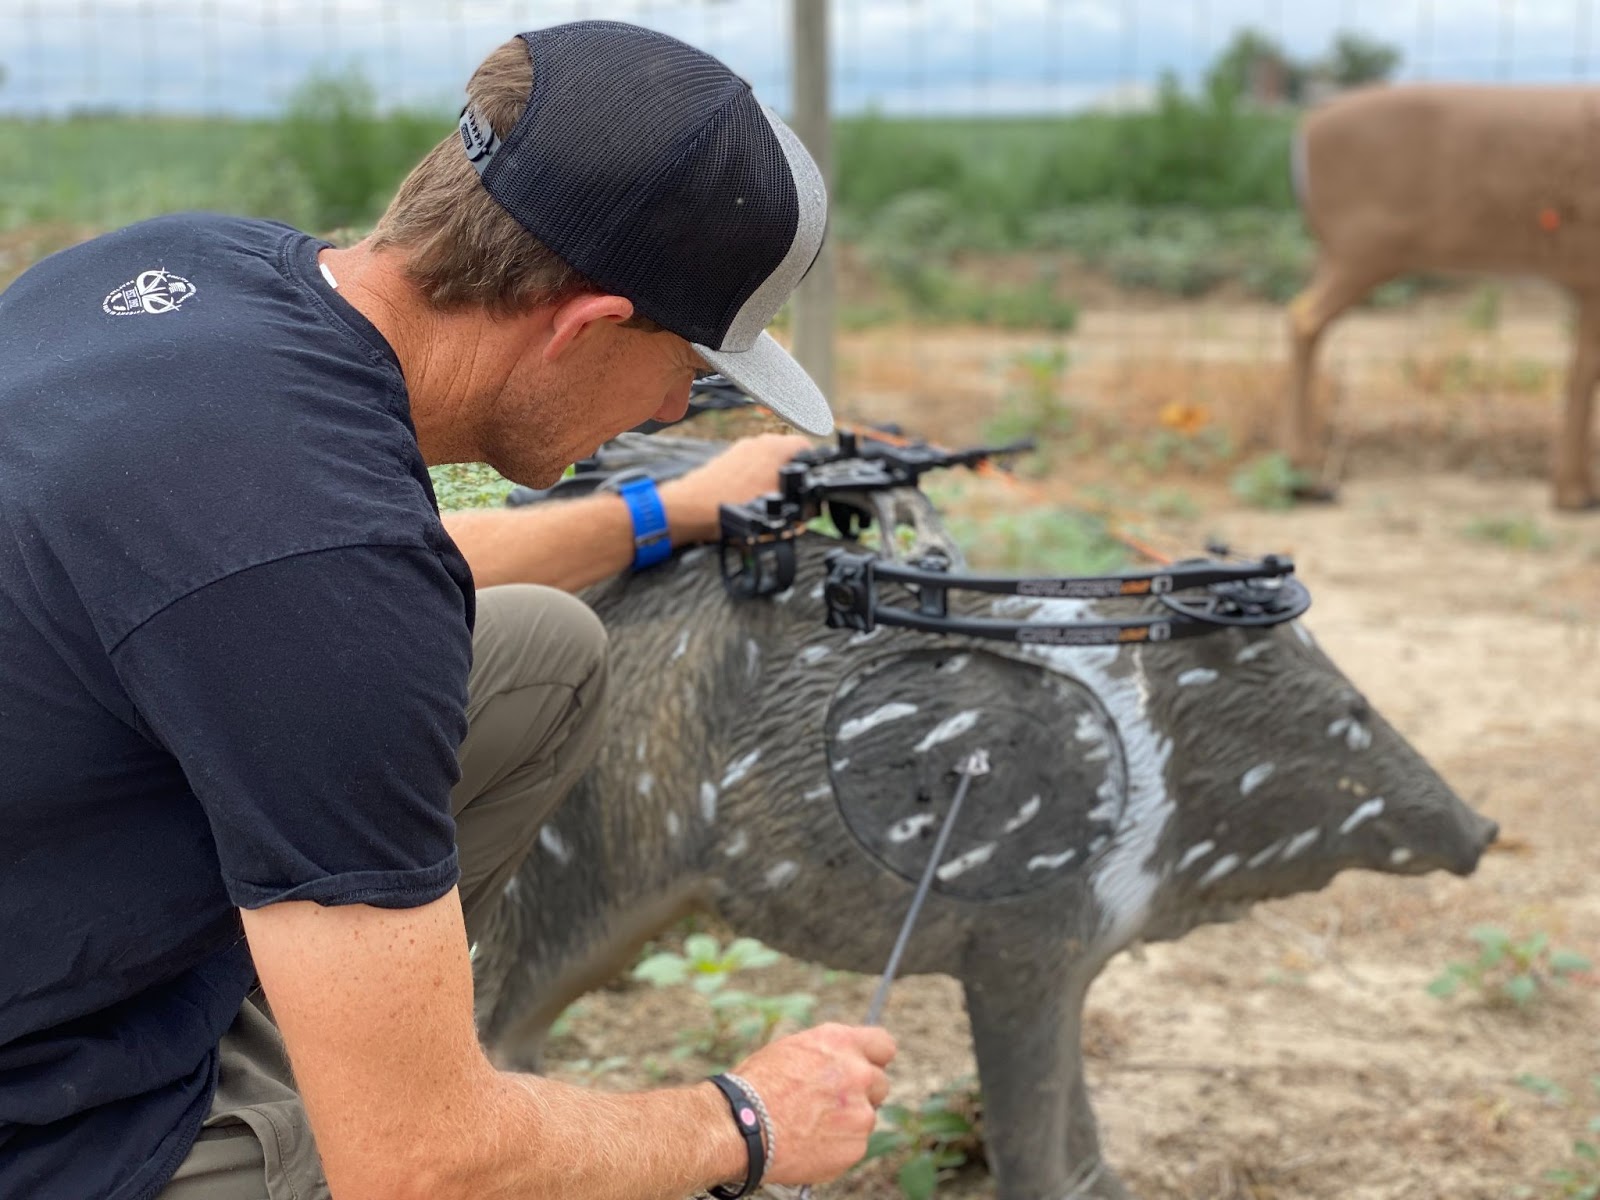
column 156, row 292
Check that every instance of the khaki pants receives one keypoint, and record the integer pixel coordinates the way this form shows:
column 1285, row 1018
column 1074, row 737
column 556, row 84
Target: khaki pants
column 536, row 698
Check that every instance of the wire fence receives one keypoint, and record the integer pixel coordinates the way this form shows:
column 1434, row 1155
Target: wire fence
column 980, row 189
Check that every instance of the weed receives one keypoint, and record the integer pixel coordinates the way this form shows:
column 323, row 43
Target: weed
column 1509, row 970
column 468, row 485
column 1512, row 532
column 1053, row 541
column 1580, row 1178
column 1483, row 308
column 1269, row 482
column 1035, row 406
column 739, row 1020
column 1173, row 504
column 941, row 1134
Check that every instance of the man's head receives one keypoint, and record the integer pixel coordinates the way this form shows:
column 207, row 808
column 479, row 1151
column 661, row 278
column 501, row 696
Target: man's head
column 627, row 216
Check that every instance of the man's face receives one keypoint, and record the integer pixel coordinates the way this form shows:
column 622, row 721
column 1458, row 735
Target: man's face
column 611, row 378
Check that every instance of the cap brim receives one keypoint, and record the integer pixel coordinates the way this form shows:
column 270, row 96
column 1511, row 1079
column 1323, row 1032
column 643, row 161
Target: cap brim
column 771, row 377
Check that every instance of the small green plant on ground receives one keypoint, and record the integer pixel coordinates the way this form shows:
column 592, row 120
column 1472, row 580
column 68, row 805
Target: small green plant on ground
column 468, row 485
column 1036, row 405
column 1483, row 308
column 1173, row 504
column 941, row 1134
column 1580, row 1178
column 1515, row 533
column 738, row 1021
column 1509, row 970
column 1056, row 541
column 1269, row 481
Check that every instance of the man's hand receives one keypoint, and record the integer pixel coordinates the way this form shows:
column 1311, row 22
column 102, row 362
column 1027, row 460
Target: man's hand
column 742, row 472
column 822, row 1089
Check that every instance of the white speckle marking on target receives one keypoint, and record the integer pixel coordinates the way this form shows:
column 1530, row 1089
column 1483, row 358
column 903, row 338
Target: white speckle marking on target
column 554, row 846
column 1026, row 813
column 1051, row 862
column 1195, row 853
column 1362, row 813
column 1300, row 843
column 1356, row 735
column 781, row 873
column 740, row 769
column 1196, row 676
column 708, row 800
column 1263, row 856
column 1255, row 777
column 950, row 727
column 963, row 863
column 856, row 726
column 907, row 828
column 737, row 844
column 1221, row 867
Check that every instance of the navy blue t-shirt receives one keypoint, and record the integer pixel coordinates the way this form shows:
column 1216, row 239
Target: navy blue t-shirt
column 234, row 640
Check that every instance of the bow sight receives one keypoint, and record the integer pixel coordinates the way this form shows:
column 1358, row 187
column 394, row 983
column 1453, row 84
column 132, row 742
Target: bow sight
column 1197, row 596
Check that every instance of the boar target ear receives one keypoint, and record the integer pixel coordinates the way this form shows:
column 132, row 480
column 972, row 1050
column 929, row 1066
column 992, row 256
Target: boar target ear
column 1055, row 795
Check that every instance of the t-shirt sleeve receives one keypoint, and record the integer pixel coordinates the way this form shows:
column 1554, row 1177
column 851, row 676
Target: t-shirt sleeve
column 315, row 704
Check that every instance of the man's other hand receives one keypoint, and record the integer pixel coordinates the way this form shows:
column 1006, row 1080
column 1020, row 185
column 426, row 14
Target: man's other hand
column 822, row 1088
column 742, row 472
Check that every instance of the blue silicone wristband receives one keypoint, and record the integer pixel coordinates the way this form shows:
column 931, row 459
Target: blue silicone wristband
column 652, row 541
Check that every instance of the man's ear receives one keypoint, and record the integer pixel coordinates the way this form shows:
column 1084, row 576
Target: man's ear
column 572, row 318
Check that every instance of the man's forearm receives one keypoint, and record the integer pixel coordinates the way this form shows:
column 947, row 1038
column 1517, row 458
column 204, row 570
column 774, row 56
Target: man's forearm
column 552, row 1140
column 567, row 544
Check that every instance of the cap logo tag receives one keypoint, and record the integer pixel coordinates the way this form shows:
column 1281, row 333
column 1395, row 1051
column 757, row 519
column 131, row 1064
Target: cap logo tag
column 478, row 138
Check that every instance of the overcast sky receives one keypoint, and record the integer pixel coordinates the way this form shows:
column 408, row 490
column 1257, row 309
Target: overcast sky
column 243, row 56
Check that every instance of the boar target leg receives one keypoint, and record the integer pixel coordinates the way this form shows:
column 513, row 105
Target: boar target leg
column 1026, row 1031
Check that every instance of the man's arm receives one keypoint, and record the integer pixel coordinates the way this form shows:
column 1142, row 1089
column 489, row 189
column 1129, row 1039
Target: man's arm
column 575, row 543
column 375, row 1006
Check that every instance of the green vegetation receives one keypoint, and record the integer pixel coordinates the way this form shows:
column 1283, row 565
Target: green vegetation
column 1579, row 1177
column 1512, row 532
column 737, row 1021
column 1035, row 406
column 468, row 485
column 1509, row 970
column 1269, row 482
column 939, row 1135
column 1040, row 540
column 1188, row 196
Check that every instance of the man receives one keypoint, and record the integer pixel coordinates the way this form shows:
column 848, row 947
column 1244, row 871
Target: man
column 256, row 724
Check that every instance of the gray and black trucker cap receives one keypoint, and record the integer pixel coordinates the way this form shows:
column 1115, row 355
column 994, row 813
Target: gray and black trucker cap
column 652, row 169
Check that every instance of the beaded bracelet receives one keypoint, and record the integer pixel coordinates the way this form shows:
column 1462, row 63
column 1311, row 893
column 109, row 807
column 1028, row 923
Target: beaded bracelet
column 761, row 1111
column 746, row 1117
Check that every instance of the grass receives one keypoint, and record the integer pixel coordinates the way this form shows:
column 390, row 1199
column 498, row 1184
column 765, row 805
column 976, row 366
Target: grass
column 1518, row 532
column 468, row 485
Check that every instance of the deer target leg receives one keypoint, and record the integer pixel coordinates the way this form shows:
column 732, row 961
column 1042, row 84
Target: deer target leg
column 1574, row 481
column 1333, row 289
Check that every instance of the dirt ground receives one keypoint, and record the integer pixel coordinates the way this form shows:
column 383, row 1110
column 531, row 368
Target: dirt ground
column 1297, row 1053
